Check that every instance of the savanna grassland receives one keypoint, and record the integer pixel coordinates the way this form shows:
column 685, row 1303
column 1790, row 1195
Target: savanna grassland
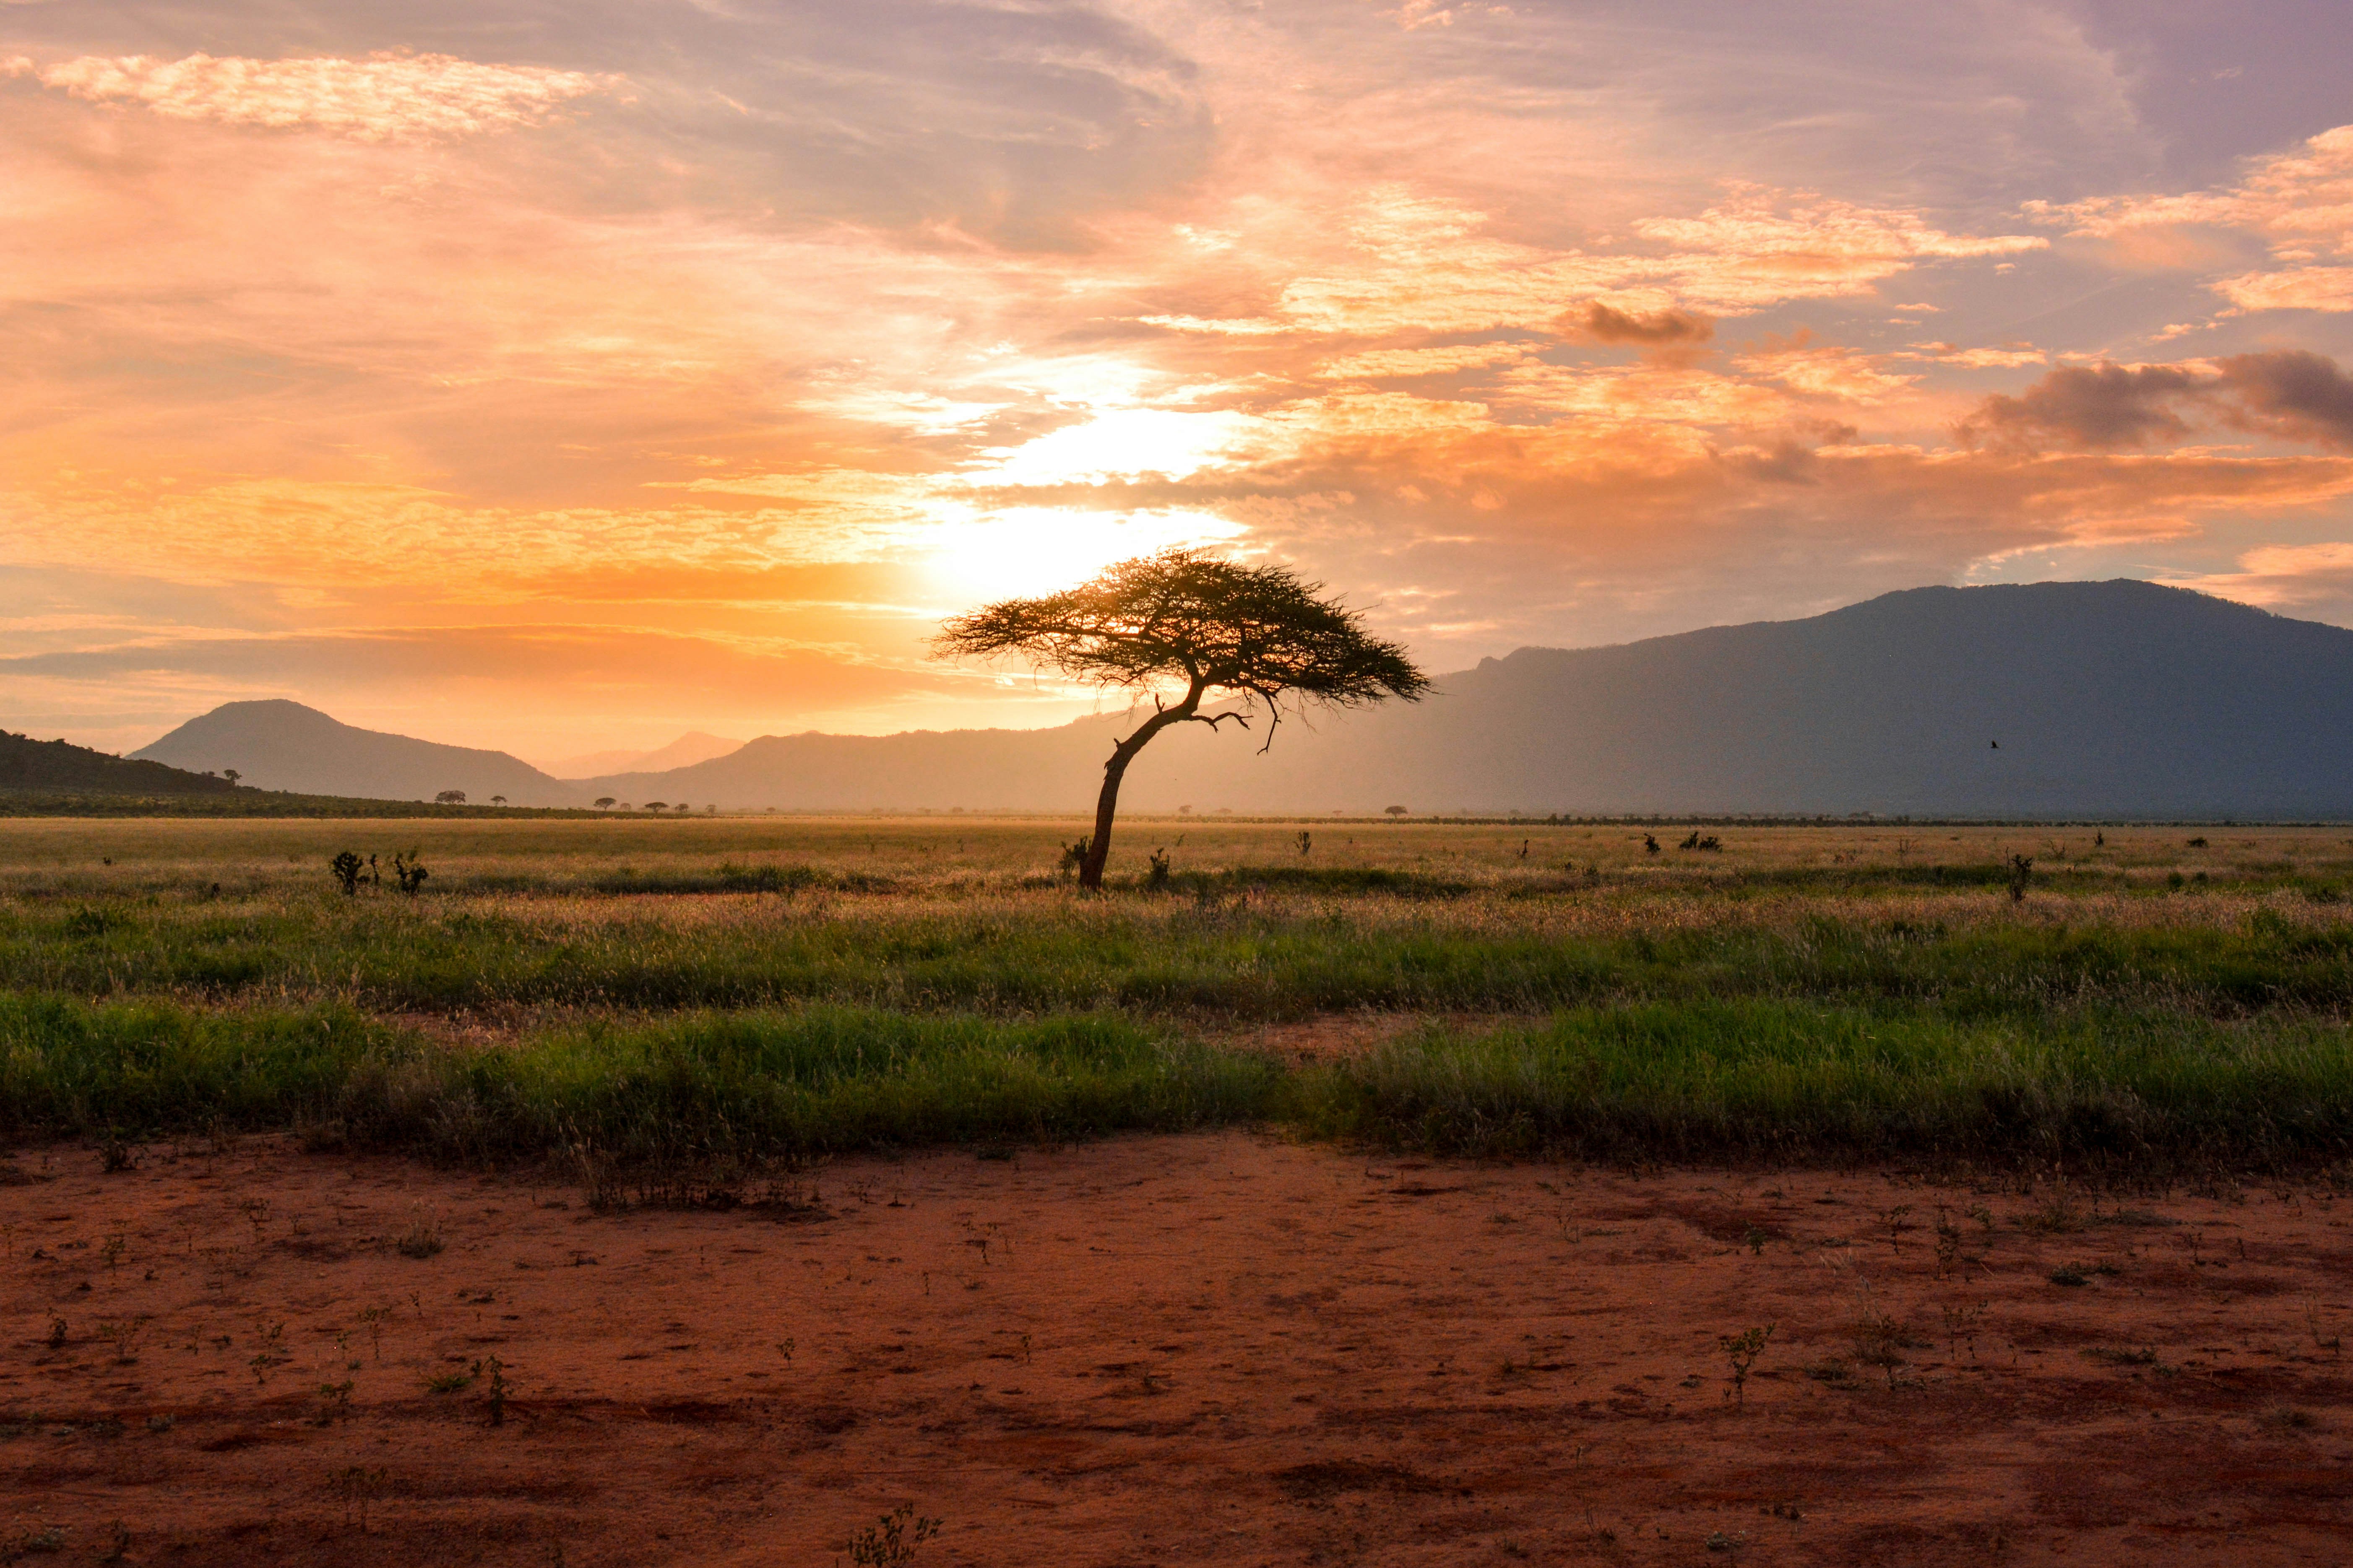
column 779, row 1190
column 772, row 986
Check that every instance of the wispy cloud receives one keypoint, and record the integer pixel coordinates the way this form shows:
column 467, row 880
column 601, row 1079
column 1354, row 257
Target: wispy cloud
column 379, row 98
column 2299, row 202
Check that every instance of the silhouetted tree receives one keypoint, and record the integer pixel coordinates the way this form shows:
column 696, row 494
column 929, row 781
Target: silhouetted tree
column 1256, row 633
column 498, row 800
column 1393, row 811
column 450, row 797
column 657, row 806
column 604, row 803
column 232, row 775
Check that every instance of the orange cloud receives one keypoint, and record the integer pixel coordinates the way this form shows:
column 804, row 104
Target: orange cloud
column 2299, row 202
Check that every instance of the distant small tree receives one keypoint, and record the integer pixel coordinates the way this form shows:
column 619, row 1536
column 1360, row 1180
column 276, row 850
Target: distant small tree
column 1393, row 811
column 658, row 806
column 1182, row 618
column 232, row 775
column 498, row 800
column 450, row 797
column 604, row 803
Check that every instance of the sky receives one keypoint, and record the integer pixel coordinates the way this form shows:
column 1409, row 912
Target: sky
column 563, row 376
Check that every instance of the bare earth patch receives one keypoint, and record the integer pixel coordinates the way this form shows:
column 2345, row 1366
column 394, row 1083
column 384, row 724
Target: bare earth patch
column 1222, row 1349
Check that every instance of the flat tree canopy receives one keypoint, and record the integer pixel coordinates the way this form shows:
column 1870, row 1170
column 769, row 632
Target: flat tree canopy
column 1181, row 618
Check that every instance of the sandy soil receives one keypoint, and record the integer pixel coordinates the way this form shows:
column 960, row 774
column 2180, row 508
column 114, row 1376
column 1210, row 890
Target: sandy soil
column 1218, row 1349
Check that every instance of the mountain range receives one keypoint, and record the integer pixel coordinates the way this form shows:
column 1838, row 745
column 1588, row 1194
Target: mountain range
column 2120, row 699
column 694, row 746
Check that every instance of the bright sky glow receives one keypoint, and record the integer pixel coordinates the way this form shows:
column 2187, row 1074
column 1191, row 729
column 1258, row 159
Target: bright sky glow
column 564, row 378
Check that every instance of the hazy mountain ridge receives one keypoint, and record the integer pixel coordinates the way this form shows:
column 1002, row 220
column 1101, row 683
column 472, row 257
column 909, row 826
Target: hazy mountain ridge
column 281, row 745
column 694, row 746
column 2116, row 698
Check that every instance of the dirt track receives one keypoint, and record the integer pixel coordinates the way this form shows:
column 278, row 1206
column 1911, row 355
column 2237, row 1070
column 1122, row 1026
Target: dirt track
column 1219, row 1349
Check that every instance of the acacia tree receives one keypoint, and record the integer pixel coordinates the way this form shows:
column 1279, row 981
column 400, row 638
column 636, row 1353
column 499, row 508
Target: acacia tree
column 1181, row 618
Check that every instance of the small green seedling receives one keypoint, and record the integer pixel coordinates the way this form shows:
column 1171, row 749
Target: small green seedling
column 494, row 1393
column 1741, row 1349
column 359, row 1485
column 334, row 1403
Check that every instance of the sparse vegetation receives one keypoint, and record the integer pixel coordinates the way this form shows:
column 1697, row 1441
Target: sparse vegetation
column 890, row 1540
column 421, row 1239
column 1740, row 1352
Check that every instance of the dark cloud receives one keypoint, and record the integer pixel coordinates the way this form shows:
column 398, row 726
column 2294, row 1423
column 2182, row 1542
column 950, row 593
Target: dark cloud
column 2089, row 408
column 2291, row 392
column 1658, row 330
column 2288, row 392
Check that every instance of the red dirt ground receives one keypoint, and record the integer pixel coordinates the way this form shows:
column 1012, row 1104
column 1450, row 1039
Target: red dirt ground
column 1219, row 1349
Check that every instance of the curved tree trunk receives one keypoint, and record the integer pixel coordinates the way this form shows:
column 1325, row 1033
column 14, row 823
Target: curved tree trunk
column 1091, row 869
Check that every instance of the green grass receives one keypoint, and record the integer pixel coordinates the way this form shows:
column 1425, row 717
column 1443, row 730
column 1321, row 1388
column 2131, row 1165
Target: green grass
column 745, row 1085
column 1658, row 1081
column 1778, row 1079
column 751, row 989
column 1272, row 959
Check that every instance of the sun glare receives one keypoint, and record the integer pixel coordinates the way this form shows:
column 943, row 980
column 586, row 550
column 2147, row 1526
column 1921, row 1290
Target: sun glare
column 1119, row 443
column 1038, row 550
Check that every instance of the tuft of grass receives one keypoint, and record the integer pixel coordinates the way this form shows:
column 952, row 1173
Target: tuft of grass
column 422, row 1240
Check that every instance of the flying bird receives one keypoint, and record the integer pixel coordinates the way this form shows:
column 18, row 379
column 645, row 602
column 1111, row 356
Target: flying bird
column 1995, row 744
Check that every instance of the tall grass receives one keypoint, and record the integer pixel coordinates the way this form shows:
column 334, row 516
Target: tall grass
column 1756, row 1078
column 1273, row 957
column 1658, row 1081
column 741, row 1085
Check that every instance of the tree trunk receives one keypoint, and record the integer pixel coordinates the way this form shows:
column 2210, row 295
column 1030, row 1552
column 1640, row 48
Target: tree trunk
column 1091, row 869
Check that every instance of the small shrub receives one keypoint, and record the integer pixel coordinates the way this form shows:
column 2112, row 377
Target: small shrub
column 410, row 872
column 2021, row 872
column 1157, row 876
column 345, row 869
column 1741, row 1351
column 449, row 1383
column 1074, row 854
